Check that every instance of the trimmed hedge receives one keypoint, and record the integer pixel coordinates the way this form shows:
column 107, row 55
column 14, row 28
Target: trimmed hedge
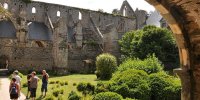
column 73, row 96
column 106, row 64
column 131, row 84
column 164, row 87
column 150, row 65
column 108, row 96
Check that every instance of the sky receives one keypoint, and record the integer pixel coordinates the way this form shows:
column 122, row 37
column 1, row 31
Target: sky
column 106, row 5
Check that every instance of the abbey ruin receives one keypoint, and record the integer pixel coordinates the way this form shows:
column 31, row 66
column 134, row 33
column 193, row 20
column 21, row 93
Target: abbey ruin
column 45, row 36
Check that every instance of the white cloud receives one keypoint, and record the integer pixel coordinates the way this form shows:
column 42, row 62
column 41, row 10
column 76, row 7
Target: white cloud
column 106, row 5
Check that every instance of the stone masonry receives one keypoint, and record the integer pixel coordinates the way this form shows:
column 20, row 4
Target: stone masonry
column 45, row 36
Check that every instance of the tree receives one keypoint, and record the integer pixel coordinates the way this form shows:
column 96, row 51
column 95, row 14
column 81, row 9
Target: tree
column 150, row 40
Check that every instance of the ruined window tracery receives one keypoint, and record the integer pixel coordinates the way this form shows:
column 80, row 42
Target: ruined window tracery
column 5, row 5
column 58, row 13
column 33, row 10
column 79, row 16
column 125, row 11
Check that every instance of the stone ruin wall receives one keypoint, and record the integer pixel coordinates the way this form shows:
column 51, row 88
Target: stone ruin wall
column 73, row 39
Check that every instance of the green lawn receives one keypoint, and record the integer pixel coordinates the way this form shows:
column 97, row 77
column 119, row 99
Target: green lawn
column 67, row 88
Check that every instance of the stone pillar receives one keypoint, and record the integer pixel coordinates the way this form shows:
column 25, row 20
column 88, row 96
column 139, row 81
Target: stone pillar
column 60, row 45
column 196, row 83
column 185, row 82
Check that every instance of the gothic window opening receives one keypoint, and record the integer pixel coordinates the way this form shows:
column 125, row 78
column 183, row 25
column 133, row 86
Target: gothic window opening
column 5, row 6
column 33, row 10
column 58, row 13
column 125, row 11
column 79, row 16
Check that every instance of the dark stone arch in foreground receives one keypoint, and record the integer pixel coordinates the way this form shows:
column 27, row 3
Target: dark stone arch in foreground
column 183, row 17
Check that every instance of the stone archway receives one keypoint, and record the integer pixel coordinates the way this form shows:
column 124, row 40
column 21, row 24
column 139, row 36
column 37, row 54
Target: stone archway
column 183, row 17
column 4, row 62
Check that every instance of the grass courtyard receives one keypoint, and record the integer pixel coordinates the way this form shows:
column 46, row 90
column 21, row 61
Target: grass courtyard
column 72, row 80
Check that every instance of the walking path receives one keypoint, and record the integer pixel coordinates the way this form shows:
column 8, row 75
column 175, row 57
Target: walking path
column 4, row 89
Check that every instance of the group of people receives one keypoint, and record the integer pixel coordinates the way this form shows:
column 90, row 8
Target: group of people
column 32, row 83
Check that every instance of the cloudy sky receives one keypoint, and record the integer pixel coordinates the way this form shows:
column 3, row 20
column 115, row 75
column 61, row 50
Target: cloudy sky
column 106, row 5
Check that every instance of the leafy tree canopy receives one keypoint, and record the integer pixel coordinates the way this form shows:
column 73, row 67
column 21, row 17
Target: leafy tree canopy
column 150, row 40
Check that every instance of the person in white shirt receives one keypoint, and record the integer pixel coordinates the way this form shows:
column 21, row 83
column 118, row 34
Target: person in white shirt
column 17, row 77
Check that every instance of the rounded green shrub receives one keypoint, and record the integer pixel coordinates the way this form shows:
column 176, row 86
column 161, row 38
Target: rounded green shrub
column 74, row 84
column 58, row 91
column 108, row 96
column 164, row 87
column 73, row 96
column 25, row 85
column 102, row 87
column 57, row 82
column 106, row 64
column 52, row 82
column 85, row 88
column 62, row 83
column 81, row 86
column 131, row 83
column 66, row 82
column 150, row 65
column 49, row 97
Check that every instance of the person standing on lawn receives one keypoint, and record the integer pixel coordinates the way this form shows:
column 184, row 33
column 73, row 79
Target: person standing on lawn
column 45, row 78
column 17, row 77
column 33, row 85
column 28, row 85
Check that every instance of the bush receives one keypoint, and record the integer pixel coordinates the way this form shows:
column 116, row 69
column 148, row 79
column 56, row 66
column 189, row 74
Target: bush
column 60, row 97
column 62, row 83
column 74, row 84
column 106, row 64
column 150, row 65
column 57, row 82
column 164, row 87
column 102, row 87
column 129, row 99
column 108, row 96
column 66, row 82
column 49, row 97
column 56, row 92
column 85, row 88
column 25, row 85
column 81, row 86
column 73, row 96
column 52, row 82
column 132, row 84
column 150, row 40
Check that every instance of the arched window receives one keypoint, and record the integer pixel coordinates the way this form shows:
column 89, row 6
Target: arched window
column 58, row 13
column 79, row 16
column 125, row 11
column 5, row 5
column 33, row 10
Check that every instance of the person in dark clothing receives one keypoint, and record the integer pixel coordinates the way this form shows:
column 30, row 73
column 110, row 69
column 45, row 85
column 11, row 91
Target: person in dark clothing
column 28, row 83
column 14, row 89
column 45, row 77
